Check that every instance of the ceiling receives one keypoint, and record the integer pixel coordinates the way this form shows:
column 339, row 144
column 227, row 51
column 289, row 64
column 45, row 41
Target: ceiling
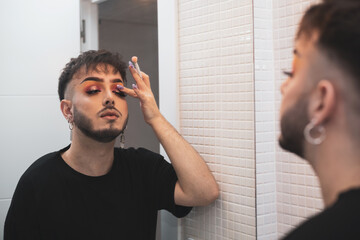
column 134, row 11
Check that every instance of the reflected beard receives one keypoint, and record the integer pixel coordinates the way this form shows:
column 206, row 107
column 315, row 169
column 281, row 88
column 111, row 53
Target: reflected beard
column 292, row 125
column 86, row 127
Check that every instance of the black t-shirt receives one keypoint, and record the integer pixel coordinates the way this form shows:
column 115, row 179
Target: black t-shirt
column 339, row 221
column 53, row 201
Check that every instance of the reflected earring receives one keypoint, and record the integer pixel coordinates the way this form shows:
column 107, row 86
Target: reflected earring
column 122, row 139
column 310, row 128
column 122, row 135
column 71, row 125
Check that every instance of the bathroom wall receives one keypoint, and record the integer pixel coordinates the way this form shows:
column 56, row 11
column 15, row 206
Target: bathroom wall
column 265, row 116
column 216, row 95
column 233, row 121
column 37, row 39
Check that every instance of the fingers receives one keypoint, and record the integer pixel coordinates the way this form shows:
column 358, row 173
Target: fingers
column 146, row 79
column 135, row 92
column 128, row 91
column 140, row 82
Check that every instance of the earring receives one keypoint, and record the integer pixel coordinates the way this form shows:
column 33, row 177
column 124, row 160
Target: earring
column 310, row 127
column 71, row 125
column 122, row 140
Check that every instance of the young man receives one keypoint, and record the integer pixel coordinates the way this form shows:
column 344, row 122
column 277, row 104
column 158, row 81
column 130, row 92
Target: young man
column 91, row 190
column 320, row 114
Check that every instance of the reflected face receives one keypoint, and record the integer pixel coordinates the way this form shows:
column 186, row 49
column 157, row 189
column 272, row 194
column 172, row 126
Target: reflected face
column 99, row 108
column 295, row 99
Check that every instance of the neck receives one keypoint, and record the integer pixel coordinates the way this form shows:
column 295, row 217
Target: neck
column 88, row 156
column 338, row 168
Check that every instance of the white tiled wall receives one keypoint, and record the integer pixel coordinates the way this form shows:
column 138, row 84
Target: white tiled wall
column 232, row 120
column 217, row 111
column 265, row 121
column 298, row 193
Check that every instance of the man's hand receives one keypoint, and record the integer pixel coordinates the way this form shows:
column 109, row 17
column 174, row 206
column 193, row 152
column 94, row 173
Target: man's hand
column 196, row 185
column 142, row 91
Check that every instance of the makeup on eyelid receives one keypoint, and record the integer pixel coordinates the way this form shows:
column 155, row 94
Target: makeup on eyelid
column 293, row 67
column 94, row 87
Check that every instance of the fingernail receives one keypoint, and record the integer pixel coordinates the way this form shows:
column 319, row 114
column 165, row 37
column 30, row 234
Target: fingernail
column 131, row 64
column 134, row 86
column 119, row 87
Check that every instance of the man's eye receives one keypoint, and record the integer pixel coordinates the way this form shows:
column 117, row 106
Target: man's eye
column 120, row 94
column 94, row 91
column 288, row 73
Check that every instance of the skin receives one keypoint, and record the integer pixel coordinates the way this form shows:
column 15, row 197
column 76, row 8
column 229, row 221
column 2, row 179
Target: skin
column 196, row 185
column 324, row 85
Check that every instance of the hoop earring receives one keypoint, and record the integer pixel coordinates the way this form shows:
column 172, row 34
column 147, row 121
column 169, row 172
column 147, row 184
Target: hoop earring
column 310, row 127
column 71, row 125
column 122, row 139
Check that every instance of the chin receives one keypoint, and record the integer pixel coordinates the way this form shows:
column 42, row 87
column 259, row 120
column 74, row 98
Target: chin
column 294, row 147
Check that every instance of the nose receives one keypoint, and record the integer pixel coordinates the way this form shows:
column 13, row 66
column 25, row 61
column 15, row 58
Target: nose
column 108, row 100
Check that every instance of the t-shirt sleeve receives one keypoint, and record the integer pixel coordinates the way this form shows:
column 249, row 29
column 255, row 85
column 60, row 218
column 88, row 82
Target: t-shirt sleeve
column 21, row 220
column 162, row 179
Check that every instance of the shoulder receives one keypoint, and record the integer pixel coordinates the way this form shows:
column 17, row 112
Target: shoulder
column 38, row 175
column 43, row 167
column 308, row 229
column 340, row 221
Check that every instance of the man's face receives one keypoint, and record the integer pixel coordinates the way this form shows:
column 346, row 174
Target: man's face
column 99, row 108
column 296, row 91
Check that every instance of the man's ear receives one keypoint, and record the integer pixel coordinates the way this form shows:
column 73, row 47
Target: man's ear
column 65, row 107
column 322, row 102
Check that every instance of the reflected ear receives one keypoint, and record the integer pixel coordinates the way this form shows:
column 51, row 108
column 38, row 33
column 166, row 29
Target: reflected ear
column 65, row 107
column 322, row 102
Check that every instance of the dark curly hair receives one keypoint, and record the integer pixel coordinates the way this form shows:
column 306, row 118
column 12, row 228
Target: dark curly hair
column 338, row 24
column 90, row 60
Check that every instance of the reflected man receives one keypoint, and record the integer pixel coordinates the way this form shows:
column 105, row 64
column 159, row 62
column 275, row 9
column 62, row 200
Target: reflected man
column 92, row 190
column 320, row 114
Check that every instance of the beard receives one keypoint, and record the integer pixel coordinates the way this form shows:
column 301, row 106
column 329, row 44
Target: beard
column 292, row 125
column 86, row 127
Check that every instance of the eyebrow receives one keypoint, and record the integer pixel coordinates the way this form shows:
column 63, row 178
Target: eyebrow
column 96, row 79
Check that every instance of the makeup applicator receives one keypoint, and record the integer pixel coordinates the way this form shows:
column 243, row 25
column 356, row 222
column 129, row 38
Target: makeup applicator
column 134, row 59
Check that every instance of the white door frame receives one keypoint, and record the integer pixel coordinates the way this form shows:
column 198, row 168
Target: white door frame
column 168, row 89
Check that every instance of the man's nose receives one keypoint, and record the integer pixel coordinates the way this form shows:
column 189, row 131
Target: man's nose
column 109, row 102
column 108, row 99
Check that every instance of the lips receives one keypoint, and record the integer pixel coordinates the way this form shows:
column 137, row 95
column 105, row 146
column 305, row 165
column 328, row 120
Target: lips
column 109, row 114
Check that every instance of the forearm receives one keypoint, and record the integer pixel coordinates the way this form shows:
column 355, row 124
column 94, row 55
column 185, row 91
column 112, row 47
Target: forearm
column 196, row 182
column 196, row 185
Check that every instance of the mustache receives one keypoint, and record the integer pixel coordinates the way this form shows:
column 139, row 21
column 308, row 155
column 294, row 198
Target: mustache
column 109, row 108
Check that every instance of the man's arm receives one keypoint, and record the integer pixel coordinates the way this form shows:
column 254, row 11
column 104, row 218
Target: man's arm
column 196, row 185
